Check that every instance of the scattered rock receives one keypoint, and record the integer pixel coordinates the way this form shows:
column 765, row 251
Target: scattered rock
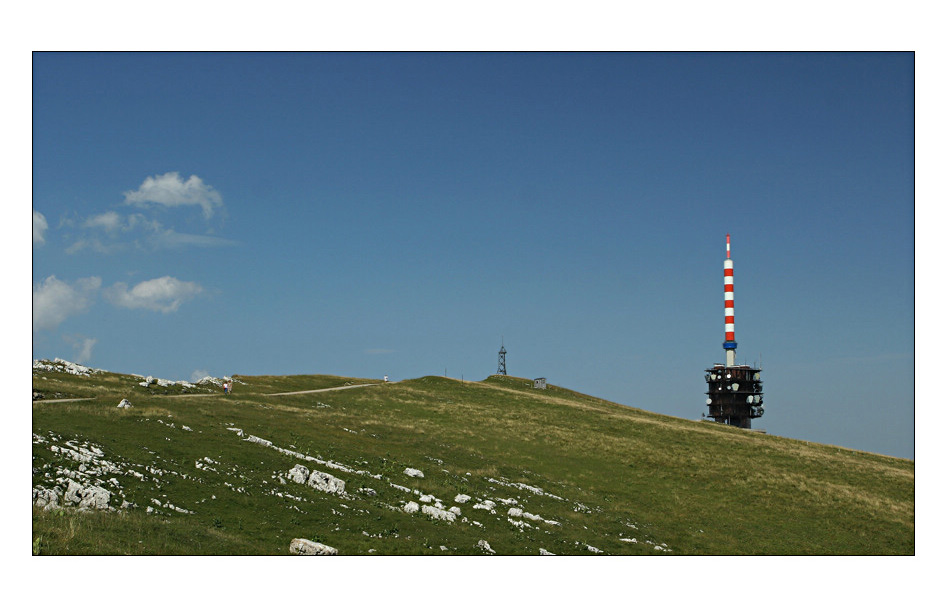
column 412, row 507
column 544, row 552
column 124, row 403
column 462, row 498
column 307, row 547
column 414, row 473
column 59, row 365
column 326, row 482
column 519, row 513
column 484, row 546
column 258, row 440
column 47, row 498
column 438, row 513
column 299, row 474
column 86, row 497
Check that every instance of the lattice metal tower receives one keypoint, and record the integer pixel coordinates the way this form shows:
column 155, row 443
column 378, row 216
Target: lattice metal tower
column 733, row 391
column 502, row 360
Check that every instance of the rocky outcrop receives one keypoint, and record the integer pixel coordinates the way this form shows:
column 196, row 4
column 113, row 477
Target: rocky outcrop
column 124, row 403
column 307, row 547
column 326, row 482
column 299, row 474
column 484, row 545
column 74, row 495
column 438, row 513
column 414, row 473
column 258, row 440
column 47, row 498
column 86, row 497
column 316, row 479
column 59, row 365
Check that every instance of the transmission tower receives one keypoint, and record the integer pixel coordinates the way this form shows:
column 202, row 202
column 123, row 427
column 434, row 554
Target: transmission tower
column 733, row 391
column 502, row 360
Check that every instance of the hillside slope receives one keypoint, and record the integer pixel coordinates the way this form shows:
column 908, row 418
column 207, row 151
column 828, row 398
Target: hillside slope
column 435, row 466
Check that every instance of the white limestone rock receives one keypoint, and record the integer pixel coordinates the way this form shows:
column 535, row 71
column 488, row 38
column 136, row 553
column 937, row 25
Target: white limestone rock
column 124, row 403
column 299, row 474
column 86, row 497
column 462, row 498
column 414, row 473
column 326, row 482
column 47, row 498
column 258, row 440
column 307, row 547
column 484, row 546
column 438, row 513
column 412, row 507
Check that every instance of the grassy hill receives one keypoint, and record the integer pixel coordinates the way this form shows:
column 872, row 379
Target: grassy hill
column 191, row 471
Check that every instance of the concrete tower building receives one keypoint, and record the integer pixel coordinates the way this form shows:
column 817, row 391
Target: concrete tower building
column 734, row 392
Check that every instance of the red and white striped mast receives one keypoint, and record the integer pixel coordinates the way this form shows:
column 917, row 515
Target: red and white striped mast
column 730, row 318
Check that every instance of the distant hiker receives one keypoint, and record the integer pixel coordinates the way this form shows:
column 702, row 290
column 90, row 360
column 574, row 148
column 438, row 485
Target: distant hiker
column 226, row 387
column 385, row 378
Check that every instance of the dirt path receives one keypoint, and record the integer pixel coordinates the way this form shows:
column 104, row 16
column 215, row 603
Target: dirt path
column 193, row 395
column 293, row 393
column 208, row 395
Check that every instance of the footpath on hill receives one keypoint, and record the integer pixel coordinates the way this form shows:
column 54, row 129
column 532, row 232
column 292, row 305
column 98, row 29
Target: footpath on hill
column 207, row 395
column 293, row 393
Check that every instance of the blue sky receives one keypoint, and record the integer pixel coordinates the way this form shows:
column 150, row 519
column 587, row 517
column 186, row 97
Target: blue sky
column 367, row 214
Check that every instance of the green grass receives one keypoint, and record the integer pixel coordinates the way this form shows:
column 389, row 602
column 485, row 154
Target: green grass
column 607, row 472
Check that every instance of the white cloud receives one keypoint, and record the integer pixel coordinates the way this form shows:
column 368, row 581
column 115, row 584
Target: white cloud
column 197, row 375
column 85, row 350
column 39, row 227
column 146, row 234
column 109, row 221
column 55, row 300
column 168, row 238
column 82, row 347
column 160, row 294
column 170, row 190
column 92, row 244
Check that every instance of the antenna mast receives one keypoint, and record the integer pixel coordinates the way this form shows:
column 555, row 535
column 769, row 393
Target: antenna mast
column 730, row 318
column 733, row 393
column 502, row 359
